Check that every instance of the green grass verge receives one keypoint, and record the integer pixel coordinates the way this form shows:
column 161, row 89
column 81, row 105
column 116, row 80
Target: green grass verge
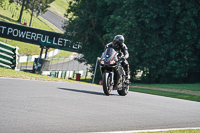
column 63, row 54
column 60, row 57
column 59, row 6
column 4, row 72
column 167, row 94
column 53, row 28
column 193, row 87
column 9, row 73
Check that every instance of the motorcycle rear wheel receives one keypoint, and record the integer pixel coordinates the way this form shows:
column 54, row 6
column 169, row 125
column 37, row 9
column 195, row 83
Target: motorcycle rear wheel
column 107, row 87
column 124, row 91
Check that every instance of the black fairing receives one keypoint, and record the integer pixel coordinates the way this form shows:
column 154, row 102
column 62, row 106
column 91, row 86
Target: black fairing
column 108, row 55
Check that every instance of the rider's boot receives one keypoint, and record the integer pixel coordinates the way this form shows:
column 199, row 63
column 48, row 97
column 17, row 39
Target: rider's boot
column 128, row 77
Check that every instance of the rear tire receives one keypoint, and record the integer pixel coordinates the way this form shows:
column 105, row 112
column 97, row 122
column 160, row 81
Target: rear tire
column 124, row 91
column 106, row 84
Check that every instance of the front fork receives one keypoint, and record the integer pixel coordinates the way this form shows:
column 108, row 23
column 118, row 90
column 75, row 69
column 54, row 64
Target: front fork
column 111, row 78
column 111, row 74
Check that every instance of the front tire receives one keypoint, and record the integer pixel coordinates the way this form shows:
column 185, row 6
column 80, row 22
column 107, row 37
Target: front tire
column 107, row 87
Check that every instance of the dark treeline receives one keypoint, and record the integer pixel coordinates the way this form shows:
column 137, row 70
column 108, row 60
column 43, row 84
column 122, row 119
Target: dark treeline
column 163, row 36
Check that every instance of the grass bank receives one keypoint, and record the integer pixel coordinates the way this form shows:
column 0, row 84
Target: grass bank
column 181, row 91
column 4, row 72
column 60, row 6
column 9, row 73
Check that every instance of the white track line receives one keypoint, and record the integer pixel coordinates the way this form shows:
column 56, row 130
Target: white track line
column 153, row 130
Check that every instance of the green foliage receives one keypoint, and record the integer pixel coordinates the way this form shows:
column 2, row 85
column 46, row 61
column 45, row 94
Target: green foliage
column 1, row 3
column 162, row 36
column 86, row 26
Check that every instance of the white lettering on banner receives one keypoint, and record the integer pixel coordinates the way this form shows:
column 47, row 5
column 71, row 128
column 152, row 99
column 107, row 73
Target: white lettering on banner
column 15, row 32
column 2, row 29
column 45, row 37
column 48, row 39
column 38, row 37
column 60, row 41
column 65, row 43
column 9, row 31
column 33, row 36
column 22, row 34
column 54, row 41
column 42, row 39
column 28, row 36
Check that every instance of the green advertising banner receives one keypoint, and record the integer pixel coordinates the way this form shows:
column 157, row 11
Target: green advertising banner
column 36, row 36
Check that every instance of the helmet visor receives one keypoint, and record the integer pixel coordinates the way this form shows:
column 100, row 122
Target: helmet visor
column 116, row 43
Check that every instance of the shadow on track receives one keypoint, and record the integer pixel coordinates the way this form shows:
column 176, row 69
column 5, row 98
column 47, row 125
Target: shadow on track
column 82, row 91
column 85, row 91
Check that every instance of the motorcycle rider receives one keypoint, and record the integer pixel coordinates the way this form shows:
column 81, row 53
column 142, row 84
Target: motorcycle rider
column 122, row 50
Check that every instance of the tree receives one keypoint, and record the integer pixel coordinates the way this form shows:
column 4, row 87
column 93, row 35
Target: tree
column 167, row 31
column 24, row 5
column 1, row 3
column 38, row 7
column 86, row 26
column 162, row 36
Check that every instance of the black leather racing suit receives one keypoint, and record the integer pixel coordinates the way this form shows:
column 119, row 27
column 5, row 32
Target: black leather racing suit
column 123, row 51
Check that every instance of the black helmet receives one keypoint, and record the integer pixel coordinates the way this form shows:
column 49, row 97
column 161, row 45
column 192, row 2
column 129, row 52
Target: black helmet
column 118, row 41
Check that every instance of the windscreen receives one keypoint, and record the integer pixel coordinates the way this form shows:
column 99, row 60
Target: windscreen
column 109, row 52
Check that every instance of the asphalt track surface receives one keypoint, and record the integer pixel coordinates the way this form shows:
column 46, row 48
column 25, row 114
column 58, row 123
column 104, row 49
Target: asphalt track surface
column 55, row 19
column 30, row 106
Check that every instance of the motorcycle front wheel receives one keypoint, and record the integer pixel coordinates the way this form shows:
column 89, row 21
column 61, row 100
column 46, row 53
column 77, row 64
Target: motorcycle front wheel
column 107, row 87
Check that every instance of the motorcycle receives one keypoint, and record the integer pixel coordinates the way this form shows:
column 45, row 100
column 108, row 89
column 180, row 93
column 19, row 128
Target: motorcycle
column 113, row 74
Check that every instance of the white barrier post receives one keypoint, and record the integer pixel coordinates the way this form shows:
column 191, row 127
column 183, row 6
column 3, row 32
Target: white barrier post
column 95, row 70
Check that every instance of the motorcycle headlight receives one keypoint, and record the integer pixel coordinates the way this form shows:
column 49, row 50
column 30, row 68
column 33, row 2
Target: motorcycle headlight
column 102, row 62
column 112, row 62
